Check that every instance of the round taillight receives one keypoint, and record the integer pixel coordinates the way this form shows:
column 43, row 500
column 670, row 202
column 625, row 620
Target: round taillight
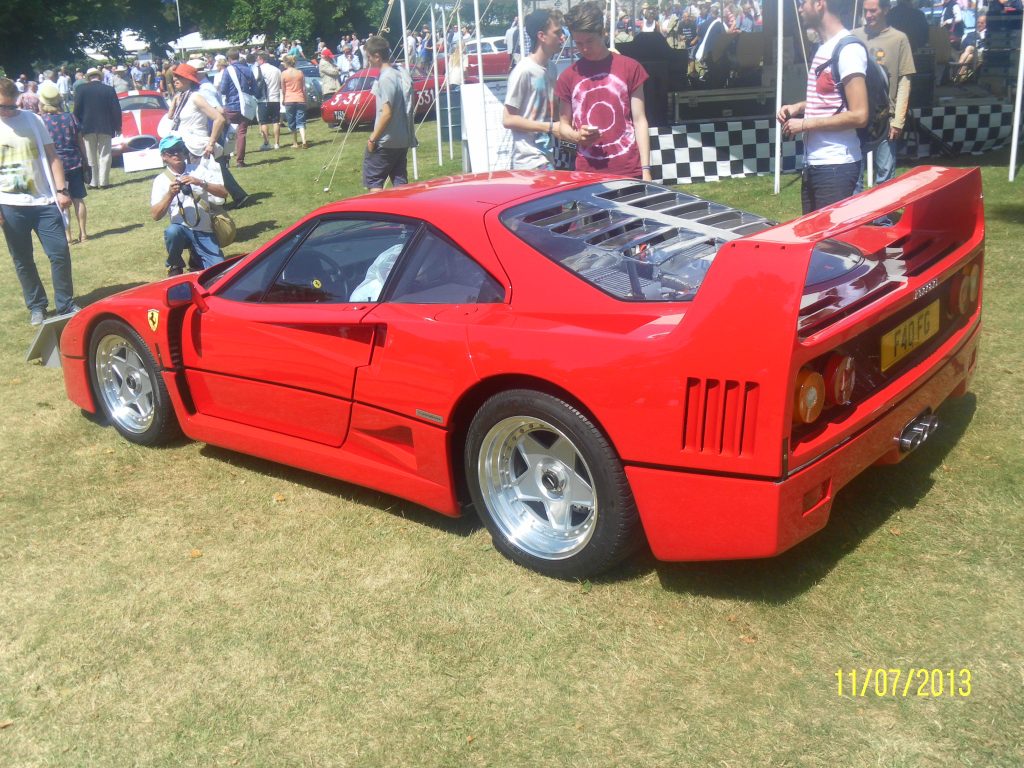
column 840, row 378
column 973, row 280
column 809, row 396
column 960, row 295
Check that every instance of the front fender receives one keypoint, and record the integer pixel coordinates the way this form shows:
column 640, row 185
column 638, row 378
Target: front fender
column 145, row 310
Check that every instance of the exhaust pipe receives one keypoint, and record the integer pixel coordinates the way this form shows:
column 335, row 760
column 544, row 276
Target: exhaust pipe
column 917, row 431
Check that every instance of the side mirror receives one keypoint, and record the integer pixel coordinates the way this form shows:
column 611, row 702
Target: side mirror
column 180, row 294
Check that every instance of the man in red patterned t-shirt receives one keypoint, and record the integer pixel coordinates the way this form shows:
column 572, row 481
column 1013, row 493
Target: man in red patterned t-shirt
column 601, row 101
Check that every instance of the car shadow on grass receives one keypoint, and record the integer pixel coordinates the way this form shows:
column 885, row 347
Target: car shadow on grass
column 860, row 508
column 249, row 231
column 1007, row 213
column 102, row 292
column 141, row 178
column 254, row 160
column 995, row 158
column 116, row 231
column 407, row 510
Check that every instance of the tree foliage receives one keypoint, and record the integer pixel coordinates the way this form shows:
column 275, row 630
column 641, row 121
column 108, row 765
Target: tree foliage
column 34, row 37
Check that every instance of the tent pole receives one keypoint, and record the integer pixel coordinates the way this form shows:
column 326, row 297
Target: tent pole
column 778, row 95
column 410, row 107
column 1016, row 107
column 480, row 74
column 437, row 90
column 522, row 30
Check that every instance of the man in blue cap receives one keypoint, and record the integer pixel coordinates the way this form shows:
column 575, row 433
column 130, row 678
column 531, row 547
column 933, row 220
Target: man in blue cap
column 187, row 191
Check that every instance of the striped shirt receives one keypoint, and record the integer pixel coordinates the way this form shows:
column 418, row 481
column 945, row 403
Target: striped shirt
column 824, row 146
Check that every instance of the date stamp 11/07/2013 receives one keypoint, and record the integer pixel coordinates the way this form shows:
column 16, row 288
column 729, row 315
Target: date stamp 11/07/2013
column 916, row 682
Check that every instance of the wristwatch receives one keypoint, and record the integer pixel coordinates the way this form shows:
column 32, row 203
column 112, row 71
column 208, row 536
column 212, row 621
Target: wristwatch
column 62, row 191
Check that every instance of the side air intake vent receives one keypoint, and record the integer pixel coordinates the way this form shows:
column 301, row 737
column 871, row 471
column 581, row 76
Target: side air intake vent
column 720, row 416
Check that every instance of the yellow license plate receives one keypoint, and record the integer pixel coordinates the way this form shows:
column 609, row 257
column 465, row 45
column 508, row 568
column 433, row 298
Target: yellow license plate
column 909, row 335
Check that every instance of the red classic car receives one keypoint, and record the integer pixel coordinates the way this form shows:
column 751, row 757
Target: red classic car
column 495, row 55
column 140, row 113
column 355, row 102
column 586, row 360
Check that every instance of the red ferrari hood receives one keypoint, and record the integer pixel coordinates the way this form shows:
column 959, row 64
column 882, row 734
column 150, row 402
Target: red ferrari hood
column 140, row 122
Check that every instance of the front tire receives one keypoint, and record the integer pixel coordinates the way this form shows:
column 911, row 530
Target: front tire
column 549, row 486
column 130, row 392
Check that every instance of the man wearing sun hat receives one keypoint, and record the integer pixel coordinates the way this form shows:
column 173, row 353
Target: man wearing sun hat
column 120, row 80
column 99, row 113
column 186, row 191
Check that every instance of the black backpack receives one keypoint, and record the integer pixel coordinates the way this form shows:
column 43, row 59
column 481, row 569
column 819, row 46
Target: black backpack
column 877, row 129
column 261, row 84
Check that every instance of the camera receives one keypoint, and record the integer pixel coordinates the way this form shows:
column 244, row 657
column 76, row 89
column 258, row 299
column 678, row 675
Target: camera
column 186, row 189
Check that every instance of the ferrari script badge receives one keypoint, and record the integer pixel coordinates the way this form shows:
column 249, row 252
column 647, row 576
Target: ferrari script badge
column 153, row 316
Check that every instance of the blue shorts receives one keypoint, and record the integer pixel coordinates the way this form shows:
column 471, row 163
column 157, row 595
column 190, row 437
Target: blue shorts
column 75, row 182
column 295, row 114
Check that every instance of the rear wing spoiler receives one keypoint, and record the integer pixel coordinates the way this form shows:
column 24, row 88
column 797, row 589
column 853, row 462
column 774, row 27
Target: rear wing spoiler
column 744, row 324
column 930, row 196
column 940, row 213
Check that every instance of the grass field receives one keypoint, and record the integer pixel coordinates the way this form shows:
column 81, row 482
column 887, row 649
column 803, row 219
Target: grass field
column 192, row 606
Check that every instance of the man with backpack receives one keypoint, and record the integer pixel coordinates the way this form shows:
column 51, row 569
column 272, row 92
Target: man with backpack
column 836, row 106
column 890, row 48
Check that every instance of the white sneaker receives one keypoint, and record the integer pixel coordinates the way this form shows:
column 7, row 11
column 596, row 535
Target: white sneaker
column 277, row 146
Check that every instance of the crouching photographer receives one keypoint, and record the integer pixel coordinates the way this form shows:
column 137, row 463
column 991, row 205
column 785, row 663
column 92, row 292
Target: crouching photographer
column 187, row 191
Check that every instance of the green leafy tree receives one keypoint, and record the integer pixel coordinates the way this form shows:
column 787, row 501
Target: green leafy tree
column 35, row 37
column 35, row 40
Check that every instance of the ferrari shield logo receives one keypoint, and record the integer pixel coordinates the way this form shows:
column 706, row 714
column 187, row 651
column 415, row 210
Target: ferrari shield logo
column 153, row 316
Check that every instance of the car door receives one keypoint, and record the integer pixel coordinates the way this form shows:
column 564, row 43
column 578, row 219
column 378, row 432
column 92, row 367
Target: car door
column 421, row 363
column 279, row 345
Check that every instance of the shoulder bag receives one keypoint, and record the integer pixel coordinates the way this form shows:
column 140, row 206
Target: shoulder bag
column 247, row 103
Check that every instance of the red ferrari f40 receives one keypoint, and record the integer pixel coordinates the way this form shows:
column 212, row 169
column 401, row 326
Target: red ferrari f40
column 586, row 361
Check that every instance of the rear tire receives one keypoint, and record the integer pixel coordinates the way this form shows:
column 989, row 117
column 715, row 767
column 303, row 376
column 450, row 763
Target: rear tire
column 130, row 392
column 549, row 486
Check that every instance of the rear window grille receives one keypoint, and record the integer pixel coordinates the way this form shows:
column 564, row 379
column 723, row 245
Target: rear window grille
column 633, row 240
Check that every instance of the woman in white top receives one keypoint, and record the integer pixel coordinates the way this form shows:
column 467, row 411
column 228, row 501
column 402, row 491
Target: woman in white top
column 198, row 122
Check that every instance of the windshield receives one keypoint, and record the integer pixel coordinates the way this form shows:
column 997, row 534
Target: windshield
column 359, row 84
column 128, row 103
column 635, row 241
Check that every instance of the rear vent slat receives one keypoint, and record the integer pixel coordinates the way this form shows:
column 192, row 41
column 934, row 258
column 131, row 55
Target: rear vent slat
column 720, row 417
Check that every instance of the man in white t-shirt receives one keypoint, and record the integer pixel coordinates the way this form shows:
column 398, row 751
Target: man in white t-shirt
column 530, row 104
column 186, row 191
column 269, row 113
column 32, row 194
column 64, row 89
column 832, row 149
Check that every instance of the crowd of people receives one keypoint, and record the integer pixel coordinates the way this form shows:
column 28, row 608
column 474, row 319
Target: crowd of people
column 56, row 131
